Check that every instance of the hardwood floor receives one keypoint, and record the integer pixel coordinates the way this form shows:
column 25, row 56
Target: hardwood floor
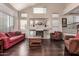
column 54, row 48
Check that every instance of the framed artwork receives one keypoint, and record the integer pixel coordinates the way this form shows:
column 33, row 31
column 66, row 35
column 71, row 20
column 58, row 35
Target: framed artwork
column 64, row 22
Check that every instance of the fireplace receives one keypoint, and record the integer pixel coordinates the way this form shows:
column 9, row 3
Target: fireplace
column 40, row 33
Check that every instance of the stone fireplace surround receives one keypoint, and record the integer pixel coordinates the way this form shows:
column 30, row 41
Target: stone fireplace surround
column 40, row 28
column 40, row 33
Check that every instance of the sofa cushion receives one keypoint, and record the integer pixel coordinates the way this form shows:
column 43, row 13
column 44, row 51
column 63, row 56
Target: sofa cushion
column 15, row 38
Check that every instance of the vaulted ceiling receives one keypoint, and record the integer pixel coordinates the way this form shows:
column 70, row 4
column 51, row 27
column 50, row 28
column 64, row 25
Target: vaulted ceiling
column 20, row 6
column 75, row 11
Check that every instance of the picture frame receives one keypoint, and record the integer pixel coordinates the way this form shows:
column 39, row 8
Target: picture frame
column 64, row 22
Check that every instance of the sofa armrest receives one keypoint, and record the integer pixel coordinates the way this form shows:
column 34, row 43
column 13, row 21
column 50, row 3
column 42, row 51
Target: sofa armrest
column 23, row 34
column 6, row 41
column 74, row 39
column 5, row 38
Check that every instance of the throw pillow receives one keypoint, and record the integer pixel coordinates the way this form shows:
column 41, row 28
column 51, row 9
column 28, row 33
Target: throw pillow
column 7, row 34
column 18, row 33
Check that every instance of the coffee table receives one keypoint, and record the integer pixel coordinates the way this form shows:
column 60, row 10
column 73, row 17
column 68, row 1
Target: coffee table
column 35, row 41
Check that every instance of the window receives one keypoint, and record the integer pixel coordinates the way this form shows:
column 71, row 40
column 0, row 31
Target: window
column 76, row 19
column 11, row 21
column 39, row 10
column 23, row 24
column 55, row 23
column 24, row 15
column 6, row 22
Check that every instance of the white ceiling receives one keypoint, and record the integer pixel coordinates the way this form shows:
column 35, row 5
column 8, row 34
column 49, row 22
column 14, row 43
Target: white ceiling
column 20, row 6
column 75, row 11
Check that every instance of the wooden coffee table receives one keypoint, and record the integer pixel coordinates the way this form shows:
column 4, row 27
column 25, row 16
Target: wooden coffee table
column 35, row 41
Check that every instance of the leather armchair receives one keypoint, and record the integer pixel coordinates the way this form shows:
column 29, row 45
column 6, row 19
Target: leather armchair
column 72, row 45
column 56, row 35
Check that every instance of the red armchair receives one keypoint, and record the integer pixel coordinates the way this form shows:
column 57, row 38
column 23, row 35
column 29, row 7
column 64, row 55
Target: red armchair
column 72, row 44
column 56, row 35
column 11, row 38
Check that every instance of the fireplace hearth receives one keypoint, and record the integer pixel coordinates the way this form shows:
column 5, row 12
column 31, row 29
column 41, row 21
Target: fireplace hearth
column 40, row 33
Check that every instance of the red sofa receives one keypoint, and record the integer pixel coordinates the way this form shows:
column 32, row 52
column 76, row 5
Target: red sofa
column 11, row 38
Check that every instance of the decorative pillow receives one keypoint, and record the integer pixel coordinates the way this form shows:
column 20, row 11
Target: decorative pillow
column 18, row 33
column 7, row 34
column 11, row 34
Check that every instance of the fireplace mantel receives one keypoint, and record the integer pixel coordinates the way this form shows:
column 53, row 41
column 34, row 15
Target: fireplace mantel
column 39, row 28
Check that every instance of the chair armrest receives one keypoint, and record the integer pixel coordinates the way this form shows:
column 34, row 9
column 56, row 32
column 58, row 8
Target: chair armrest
column 76, row 39
column 67, row 37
